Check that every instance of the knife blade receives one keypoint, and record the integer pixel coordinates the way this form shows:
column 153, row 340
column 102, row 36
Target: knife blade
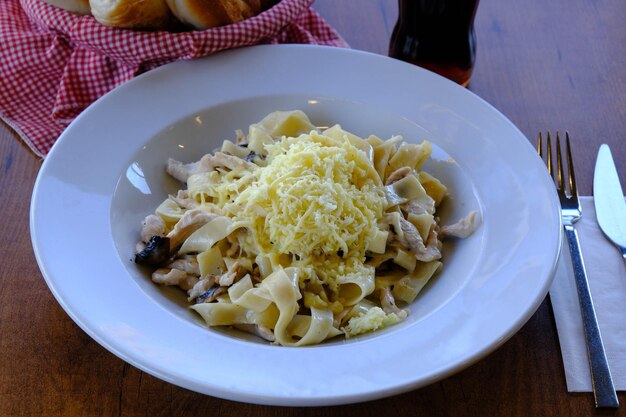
column 608, row 198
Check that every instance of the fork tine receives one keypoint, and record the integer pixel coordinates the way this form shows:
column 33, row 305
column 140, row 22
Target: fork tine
column 549, row 155
column 570, row 167
column 539, row 145
column 559, row 163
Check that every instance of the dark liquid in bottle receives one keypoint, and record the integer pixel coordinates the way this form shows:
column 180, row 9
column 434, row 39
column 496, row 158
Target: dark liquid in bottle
column 437, row 35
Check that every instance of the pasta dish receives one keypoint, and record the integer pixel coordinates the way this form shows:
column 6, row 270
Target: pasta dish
column 298, row 234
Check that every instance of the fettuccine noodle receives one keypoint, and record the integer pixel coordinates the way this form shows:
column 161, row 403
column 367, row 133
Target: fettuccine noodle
column 298, row 234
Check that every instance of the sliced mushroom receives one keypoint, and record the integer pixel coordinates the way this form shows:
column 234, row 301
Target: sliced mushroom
column 210, row 295
column 201, row 287
column 155, row 253
column 255, row 158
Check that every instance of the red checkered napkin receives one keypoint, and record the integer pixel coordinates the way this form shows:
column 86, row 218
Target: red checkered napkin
column 53, row 64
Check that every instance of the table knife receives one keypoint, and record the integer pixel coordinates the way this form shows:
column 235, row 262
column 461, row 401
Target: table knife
column 608, row 198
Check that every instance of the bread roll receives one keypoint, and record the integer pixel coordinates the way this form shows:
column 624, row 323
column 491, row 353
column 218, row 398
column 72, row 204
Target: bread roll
column 145, row 14
column 203, row 14
column 74, row 6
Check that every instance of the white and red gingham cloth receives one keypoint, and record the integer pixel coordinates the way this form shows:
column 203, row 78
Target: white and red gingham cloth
column 53, row 64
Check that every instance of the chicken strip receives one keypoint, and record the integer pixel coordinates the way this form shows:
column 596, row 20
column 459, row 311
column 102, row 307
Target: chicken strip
column 463, row 228
column 207, row 163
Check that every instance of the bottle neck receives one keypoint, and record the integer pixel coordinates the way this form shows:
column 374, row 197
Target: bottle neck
column 459, row 12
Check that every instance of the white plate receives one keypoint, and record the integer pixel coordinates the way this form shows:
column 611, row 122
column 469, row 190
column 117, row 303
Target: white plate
column 105, row 173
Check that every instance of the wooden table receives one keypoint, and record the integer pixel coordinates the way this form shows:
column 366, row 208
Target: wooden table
column 546, row 65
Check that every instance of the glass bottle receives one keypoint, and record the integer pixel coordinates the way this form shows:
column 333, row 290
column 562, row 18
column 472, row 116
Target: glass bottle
column 437, row 35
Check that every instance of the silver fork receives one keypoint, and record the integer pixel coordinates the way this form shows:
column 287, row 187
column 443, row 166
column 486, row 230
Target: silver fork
column 603, row 388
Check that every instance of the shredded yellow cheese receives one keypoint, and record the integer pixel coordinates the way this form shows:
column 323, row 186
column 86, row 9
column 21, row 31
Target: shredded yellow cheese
column 374, row 319
column 317, row 196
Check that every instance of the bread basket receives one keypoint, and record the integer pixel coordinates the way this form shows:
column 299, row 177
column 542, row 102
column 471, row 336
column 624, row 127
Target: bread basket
column 78, row 59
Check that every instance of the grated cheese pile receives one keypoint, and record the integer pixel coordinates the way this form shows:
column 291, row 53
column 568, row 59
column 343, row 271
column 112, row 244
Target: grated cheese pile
column 317, row 196
column 372, row 320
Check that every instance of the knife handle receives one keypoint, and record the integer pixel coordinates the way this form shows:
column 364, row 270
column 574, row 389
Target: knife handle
column 603, row 388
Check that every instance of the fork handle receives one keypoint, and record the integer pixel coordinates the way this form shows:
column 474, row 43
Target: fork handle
column 603, row 388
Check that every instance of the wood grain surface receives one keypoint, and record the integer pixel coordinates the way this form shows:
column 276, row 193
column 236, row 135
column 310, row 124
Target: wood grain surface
column 557, row 65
